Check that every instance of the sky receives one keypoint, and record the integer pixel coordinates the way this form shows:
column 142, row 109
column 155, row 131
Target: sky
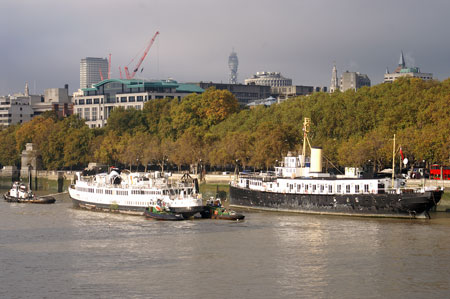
column 42, row 42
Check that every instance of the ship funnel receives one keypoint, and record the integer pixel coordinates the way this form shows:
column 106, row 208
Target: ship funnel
column 316, row 159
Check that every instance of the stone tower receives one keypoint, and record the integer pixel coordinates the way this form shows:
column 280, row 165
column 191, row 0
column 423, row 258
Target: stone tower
column 334, row 79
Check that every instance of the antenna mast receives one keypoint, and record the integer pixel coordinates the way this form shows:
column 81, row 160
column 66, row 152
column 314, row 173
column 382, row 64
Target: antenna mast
column 306, row 124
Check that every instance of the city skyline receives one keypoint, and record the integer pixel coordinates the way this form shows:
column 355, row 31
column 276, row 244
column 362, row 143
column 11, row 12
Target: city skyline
column 43, row 42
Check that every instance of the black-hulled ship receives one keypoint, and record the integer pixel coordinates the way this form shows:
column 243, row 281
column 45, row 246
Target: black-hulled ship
column 300, row 186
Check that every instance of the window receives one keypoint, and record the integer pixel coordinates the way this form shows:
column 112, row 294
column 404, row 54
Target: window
column 140, row 98
column 123, row 99
column 366, row 188
column 347, row 188
column 131, row 99
column 356, row 188
column 96, row 101
column 81, row 101
column 80, row 112
column 330, row 188
column 94, row 113
column 88, row 101
column 87, row 113
column 338, row 187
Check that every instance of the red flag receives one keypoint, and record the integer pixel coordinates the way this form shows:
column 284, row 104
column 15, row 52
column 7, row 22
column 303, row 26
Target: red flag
column 401, row 153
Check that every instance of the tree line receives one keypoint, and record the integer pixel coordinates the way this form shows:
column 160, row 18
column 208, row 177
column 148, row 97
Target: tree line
column 353, row 128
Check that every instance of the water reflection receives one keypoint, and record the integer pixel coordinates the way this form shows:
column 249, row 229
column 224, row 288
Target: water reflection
column 64, row 252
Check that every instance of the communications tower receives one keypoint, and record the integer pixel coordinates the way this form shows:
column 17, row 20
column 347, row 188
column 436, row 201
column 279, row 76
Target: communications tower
column 233, row 63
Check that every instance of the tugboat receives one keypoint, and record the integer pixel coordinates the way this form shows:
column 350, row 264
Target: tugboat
column 157, row 213
column 215, row 210
column 300, row 186
column 22, row 194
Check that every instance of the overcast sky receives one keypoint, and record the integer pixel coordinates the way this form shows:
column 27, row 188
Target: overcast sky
column 42, row 42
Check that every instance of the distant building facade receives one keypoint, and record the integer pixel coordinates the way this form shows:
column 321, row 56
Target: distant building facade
column 284, row 92
column 90, row 68
column 95, row 104
column 403, row 71
column 353, row 80
column 243, row 93
column 348, row 80
column 14, row 110
column 268, row 79
column 22, row 107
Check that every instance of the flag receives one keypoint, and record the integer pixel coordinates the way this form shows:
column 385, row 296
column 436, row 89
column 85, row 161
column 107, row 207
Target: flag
column 401, row 153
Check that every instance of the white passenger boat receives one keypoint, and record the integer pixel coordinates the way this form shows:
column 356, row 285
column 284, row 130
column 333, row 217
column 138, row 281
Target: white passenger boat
column 132, row 193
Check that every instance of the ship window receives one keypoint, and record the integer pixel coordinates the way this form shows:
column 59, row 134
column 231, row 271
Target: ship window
column 347, row 188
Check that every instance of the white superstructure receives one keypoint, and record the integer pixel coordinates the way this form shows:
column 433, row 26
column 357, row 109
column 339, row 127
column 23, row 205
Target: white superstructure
column 133, row 192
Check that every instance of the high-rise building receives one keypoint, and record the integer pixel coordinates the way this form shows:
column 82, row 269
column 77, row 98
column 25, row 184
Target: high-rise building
column 353, row 80
column 90, row 68
column 233, row 63
column 403, row 71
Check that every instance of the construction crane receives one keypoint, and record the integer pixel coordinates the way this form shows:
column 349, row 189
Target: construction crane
column 127, row 73
column 109, row 66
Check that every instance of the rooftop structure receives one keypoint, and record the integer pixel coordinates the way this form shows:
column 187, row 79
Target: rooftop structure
column 268, row 79
column 96, row 103
column 403, row 71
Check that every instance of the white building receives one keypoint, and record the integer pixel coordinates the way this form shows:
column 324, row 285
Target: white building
column 268, row 79
column 403, row 71
column 96, row 103
column 14, row 110
column 90, row 68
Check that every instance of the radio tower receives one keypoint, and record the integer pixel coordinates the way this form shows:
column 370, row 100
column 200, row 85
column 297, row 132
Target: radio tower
column 233, row 63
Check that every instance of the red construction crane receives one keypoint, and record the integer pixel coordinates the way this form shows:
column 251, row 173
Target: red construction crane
column 109, row 66
column 127, row 73
column 101, row 74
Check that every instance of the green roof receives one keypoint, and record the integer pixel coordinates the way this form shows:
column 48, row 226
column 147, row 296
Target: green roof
column 139, row 83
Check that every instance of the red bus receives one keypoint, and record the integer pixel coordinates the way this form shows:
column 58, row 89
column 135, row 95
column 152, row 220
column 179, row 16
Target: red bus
column 435, row 172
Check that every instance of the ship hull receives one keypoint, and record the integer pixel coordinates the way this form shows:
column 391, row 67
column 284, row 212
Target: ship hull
column 405, row 205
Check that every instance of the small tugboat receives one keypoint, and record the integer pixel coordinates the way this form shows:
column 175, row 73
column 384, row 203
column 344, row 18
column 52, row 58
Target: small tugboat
column 22, row 194
column 215, row 210
column 158, row 213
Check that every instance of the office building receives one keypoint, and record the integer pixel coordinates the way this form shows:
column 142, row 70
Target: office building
column 243, row 93
column 90, row 68
column 353, row 80
column 95, row 104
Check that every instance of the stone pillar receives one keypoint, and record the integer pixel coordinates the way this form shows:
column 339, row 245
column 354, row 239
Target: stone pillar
column 30, row 160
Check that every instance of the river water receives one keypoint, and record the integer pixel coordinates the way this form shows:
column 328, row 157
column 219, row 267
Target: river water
column 55, row 251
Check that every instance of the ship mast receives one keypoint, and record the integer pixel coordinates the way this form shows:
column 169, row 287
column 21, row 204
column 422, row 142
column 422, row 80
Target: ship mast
column 306, row 124
column 393, row 163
